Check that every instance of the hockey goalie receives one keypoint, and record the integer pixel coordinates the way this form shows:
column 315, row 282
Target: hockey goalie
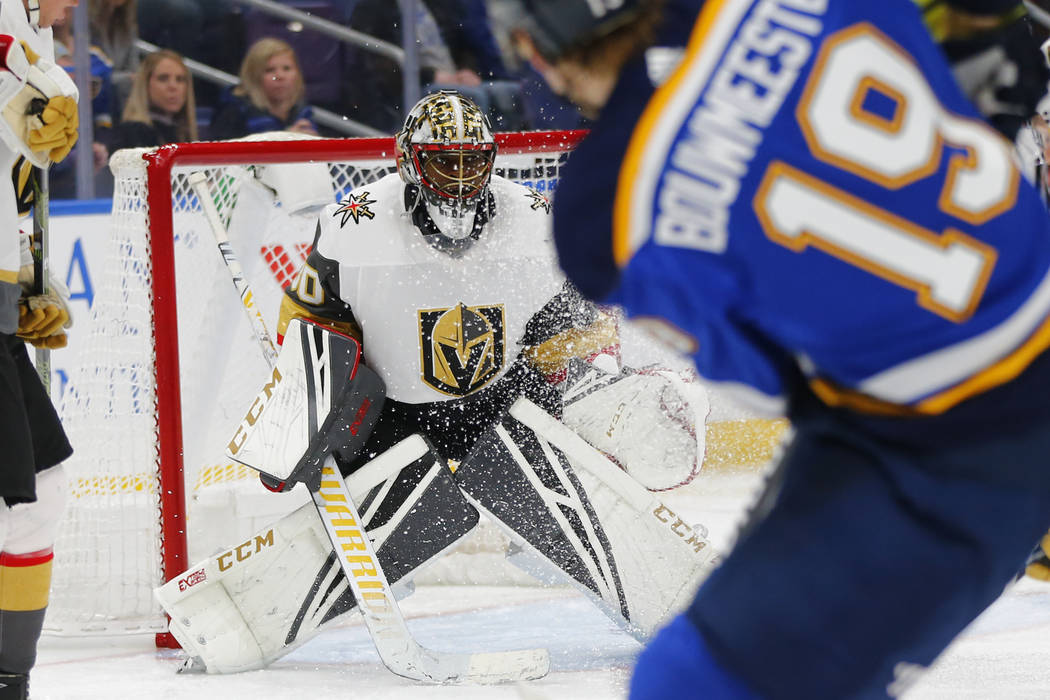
column 503, row 396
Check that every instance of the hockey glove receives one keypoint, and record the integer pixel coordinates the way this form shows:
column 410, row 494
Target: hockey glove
column 57, row 133
column 39, row 99
column 42, row 318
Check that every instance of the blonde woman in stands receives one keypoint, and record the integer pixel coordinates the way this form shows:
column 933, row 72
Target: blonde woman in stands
column 161, row 108
column 270, row 96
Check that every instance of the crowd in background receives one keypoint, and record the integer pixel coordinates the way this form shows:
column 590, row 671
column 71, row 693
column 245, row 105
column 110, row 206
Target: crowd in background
column 285, row 71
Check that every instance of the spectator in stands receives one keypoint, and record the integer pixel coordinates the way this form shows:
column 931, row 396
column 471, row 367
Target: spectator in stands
column 114, row 29
column 465, row 27
column 373, row 83
column 161, row 107
column 103, row 105
column 270, row 96
column 205, row 30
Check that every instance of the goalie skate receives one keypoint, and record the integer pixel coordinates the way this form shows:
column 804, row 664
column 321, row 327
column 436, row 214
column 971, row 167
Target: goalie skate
column 258, row 600
column 575, row 515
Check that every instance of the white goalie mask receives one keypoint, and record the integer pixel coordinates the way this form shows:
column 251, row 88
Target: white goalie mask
column 445, row 151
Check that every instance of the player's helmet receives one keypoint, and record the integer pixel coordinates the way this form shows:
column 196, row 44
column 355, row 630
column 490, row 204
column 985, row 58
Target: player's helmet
column 446, row 148
column 557, row 26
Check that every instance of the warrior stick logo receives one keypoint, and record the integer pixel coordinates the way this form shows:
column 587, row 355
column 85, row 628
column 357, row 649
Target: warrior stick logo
column 461, row 348
column 358, row 559
column 354, row 207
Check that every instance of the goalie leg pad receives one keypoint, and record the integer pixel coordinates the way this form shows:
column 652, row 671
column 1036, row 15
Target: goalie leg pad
column 574, row 513
column 260, row 599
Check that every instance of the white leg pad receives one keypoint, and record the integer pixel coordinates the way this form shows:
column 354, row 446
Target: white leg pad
column 576, row 515
column 233, row 612
column 251, row 604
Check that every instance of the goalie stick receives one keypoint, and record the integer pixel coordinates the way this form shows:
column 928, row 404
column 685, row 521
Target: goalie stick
column 199, row 182
column 398, row 649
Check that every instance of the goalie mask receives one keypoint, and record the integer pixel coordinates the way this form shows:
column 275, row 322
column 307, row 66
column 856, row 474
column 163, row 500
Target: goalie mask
column 445, row 154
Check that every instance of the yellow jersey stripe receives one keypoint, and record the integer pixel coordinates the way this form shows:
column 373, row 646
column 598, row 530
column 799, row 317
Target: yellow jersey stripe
column 992, row 376
column 999, row 373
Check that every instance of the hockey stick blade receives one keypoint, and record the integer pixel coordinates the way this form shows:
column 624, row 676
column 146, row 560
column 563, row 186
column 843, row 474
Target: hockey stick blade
column 398, row 649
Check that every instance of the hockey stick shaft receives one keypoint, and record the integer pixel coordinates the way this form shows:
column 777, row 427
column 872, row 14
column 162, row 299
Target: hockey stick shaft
column 398, row 649
column 199, row 183
column 41, row 262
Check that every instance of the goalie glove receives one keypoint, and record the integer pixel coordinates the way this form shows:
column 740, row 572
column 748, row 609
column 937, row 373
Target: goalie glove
column 39, row 99
column 42, row 318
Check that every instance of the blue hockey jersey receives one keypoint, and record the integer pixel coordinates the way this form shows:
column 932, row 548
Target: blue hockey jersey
column 810, row 193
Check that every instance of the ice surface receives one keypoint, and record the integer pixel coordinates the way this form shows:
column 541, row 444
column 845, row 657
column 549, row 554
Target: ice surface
column 1003, row 655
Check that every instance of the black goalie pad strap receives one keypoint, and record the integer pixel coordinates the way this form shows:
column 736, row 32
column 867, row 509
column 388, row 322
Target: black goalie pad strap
column 528, row 485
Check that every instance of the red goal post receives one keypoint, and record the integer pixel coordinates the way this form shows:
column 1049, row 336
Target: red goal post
column 167, row 365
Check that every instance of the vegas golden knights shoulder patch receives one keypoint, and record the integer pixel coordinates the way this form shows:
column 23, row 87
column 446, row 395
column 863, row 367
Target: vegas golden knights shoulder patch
column 461, row 348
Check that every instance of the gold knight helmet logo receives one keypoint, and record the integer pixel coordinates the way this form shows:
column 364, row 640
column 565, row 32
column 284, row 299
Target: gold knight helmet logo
column 461, row 348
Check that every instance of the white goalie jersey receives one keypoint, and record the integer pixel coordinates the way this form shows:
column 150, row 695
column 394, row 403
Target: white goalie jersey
column 433, row 325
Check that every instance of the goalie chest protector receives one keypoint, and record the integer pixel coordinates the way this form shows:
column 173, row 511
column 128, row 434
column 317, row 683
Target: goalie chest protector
column 437, row 327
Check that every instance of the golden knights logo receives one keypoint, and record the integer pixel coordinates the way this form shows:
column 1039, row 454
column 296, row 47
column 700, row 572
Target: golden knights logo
column 355, row 206
column 539, row 201
column 461, row 348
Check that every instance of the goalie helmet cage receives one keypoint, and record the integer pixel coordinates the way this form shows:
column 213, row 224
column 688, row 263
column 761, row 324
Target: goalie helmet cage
column 169, row 365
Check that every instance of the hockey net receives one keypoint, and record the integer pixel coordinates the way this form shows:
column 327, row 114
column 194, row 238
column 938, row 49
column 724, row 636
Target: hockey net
column 170, row 364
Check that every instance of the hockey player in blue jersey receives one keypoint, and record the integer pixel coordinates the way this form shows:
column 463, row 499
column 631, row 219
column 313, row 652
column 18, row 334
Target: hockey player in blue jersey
column 810, row 206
